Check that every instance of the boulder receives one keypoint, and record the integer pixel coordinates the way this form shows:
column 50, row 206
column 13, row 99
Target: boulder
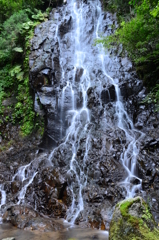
column 132, row 219
column 26, row 218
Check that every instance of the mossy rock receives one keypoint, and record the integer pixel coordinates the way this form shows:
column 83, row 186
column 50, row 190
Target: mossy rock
column 132, row 220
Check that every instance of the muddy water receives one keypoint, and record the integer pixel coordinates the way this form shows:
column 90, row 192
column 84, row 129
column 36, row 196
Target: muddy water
column 7, row 230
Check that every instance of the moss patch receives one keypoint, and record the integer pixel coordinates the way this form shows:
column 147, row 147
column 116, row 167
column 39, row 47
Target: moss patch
column 134, row 221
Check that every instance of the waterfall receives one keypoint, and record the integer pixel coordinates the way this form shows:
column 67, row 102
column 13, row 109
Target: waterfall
column 85, row 102
column 84, row 57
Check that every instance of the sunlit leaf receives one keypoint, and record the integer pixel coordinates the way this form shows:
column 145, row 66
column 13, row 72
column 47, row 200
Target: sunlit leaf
column 20, row 75
column 18, row 49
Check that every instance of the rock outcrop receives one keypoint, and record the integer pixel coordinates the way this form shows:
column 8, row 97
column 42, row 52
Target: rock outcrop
column 132, row 219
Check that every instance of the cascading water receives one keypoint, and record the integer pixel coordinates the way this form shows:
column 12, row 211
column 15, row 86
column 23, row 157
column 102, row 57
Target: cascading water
column 83, row 57
column 3, row 199
column 129, row 155
column 84, row 78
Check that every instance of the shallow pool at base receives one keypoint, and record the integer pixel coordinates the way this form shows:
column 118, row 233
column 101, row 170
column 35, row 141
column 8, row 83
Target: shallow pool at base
column 7, row 230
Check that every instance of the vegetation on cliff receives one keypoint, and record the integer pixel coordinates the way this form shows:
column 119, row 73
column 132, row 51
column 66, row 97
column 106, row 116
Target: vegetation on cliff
column 17, row 22
column 139, row 34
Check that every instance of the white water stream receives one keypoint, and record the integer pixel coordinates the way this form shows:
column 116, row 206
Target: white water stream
column 3, row 200
column 84, row 59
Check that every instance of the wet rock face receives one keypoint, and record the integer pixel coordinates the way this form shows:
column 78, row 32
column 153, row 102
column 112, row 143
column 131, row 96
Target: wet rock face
column 52, row 69
column 133, row 220
column 51, row 193
column 57, row 81
column 108, row 95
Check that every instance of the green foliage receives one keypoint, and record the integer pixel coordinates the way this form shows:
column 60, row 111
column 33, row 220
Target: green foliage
column 7, row 146
column 155, row 11
column 14, row 74
column 9, row 7
column 40, row 16
column 153, row 97
column 121, row 7
column 139, row 35
column 11, row 39
column 6, row 82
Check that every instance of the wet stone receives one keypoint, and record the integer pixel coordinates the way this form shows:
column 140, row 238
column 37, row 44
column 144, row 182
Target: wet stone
column 108, row 95
column 15, row 187
column 10, row 238
column 26, row 218
column 79, row 72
